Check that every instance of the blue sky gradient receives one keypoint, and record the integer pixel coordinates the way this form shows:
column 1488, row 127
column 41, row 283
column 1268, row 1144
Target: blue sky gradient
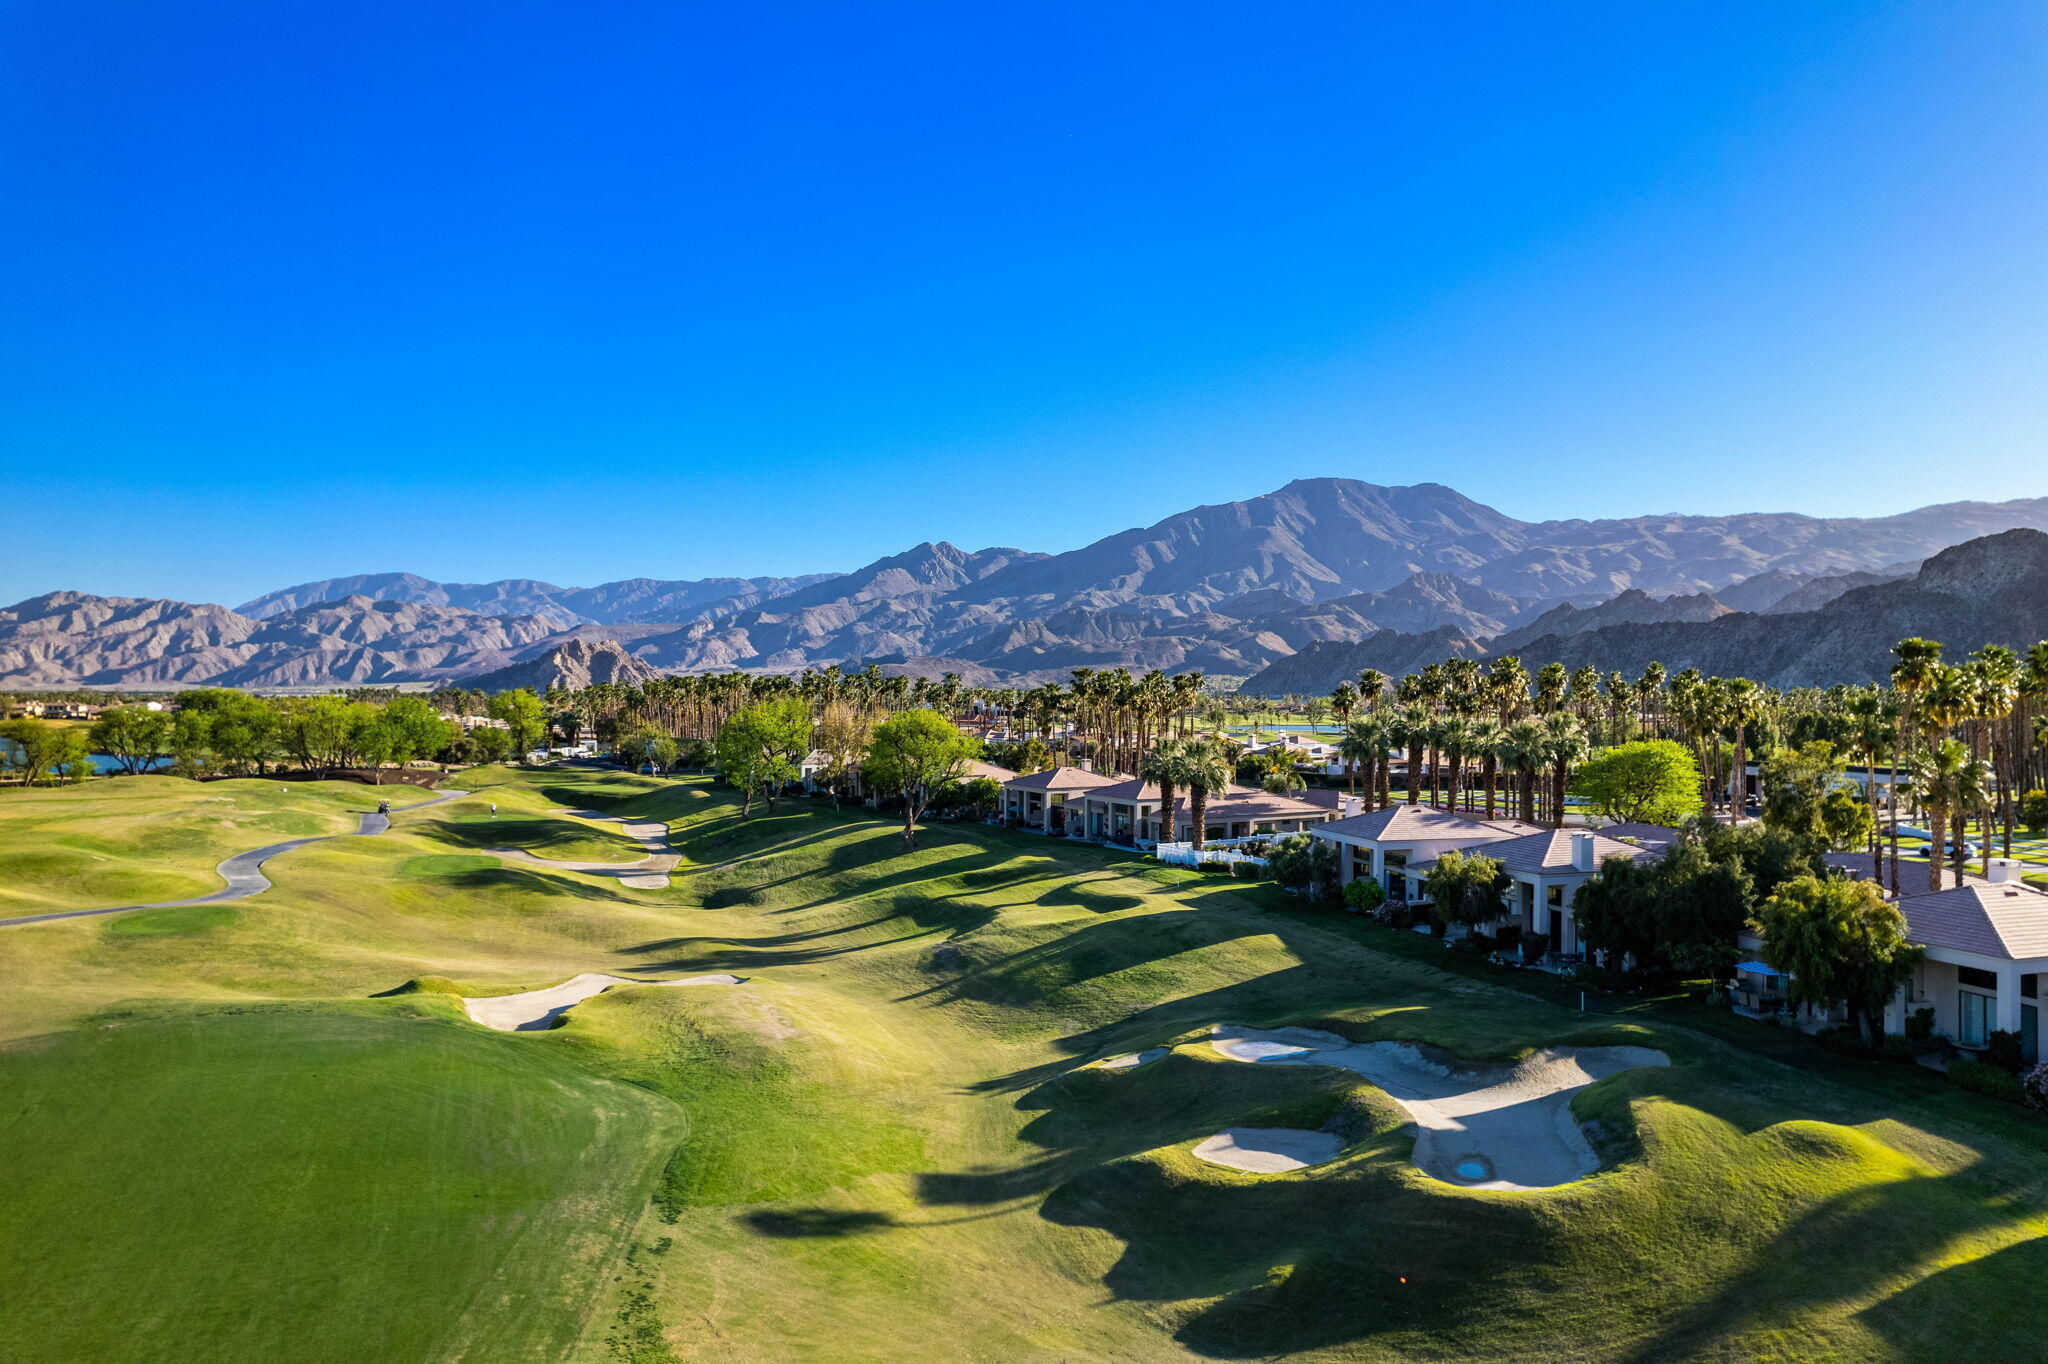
column 585, row 292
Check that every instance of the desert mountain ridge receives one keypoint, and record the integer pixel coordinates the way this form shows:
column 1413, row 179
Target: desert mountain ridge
column 1234, row 588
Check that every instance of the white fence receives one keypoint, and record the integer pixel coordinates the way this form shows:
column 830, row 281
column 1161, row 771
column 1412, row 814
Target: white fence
column 1187, row 855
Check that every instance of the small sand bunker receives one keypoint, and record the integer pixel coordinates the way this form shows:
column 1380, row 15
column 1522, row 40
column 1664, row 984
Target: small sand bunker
column 535, row 1010
column 1483, row 1127
column 1133, row 1061
column 1269, row 1150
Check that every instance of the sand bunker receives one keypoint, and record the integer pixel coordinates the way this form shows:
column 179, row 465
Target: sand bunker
column 1133, row 1061
column 535, row 1010
column 1482, row 1127
column 1269, row 1150
column 648, row 873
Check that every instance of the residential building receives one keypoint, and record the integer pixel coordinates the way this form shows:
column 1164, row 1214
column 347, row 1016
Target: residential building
column 1039, row 800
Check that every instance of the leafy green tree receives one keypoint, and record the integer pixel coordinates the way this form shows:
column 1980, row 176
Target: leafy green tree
column 1838, row 940
column 192, row 742
column 244, row 732
column 413, row 729
column 762, row 747
column 1703, row 902
column 1647, row 781
column 1615, row 913
column 524, row 715
column 492, row 745
column 1846, row 821
column 1796, row 783
column 1464, row 888
column 1303, row 863
column 134, row 736
column 913, row 755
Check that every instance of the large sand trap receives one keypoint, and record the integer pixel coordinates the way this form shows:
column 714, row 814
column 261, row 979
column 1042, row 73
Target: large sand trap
column 647, row 873
column 1483, row 1127
column 535, row 1010
column 1269, row 1150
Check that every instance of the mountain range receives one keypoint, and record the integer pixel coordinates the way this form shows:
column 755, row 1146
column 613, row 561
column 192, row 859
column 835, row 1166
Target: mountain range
column 1309, row 571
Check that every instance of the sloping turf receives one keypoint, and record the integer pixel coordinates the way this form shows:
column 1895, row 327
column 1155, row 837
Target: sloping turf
column 880, row 1147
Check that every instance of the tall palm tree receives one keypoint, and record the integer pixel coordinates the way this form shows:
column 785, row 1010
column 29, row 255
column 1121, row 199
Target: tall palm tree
column 1488, row 736
column 1454, row 741
column 1522, row 749
column 1744, row 704
column 1947, row 776
column 1372, row 688
column 1412, row 733
column 1161, row 765
column 1998, row 676
column 1919, row 662
column 1204, row 769
column 1564, row 747
column 1364, row 740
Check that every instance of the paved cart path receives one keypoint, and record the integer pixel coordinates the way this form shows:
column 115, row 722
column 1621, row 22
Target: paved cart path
column 243, row 872
column 647, row 873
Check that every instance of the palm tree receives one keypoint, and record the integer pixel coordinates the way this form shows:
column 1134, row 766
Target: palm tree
column 1522, row 749
column 1203, row 768
column 1364, row 740
column 1914, row 673
column 1161, row 765
column 1412, row 732
column 1997, row 673
column 1454, row 740
column 1741, row 696
column 1488, row 738
column 1372, row 688
column 1564, row 747
column 1947, row 776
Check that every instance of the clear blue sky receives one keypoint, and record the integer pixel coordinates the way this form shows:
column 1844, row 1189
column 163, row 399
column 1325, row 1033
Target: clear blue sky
column 586, row 291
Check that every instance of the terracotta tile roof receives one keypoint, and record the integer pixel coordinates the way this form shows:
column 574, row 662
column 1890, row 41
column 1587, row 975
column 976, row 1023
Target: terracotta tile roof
column 2007, row 921
column 1059, row 779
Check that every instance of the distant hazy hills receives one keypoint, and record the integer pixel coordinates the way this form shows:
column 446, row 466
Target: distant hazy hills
column 1284, row 586
column 1984, row 591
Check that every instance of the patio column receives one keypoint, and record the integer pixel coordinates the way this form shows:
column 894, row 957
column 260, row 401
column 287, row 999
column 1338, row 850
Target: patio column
column 2009, row 999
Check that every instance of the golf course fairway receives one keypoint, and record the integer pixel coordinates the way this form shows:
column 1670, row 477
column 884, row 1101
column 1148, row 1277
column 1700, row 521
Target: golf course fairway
column 269, row 1131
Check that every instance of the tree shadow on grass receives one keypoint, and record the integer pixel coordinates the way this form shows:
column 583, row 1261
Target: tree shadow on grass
column 1974, row 1310
column 817, row 1222
column 1851, row 1246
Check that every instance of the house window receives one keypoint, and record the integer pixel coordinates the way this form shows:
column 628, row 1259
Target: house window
column 1982, row 980
column 1973, row 1013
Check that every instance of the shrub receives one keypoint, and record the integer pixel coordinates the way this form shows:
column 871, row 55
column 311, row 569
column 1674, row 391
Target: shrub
column 1364, row 895
column 1897, row 1048
column 1509, row 937
column 1211, row 867
column 1920, row 1025
column 1985, row 1078
column 2034, row 1088
column 2034, row 809
column 2002, row 1049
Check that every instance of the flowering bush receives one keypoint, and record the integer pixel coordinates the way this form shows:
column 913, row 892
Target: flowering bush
column 2034, row 1088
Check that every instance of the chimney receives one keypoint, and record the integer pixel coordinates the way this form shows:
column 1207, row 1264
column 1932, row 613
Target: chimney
column 1348, row 806
column 2003, row 871
column 1582, row 852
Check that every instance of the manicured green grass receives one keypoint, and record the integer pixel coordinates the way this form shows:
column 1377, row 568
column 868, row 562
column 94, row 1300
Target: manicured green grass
column 883, row 1145
column 135, row 840
column 310, row 1183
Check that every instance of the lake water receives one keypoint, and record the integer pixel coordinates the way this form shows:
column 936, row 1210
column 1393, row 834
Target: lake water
column 107, row 762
